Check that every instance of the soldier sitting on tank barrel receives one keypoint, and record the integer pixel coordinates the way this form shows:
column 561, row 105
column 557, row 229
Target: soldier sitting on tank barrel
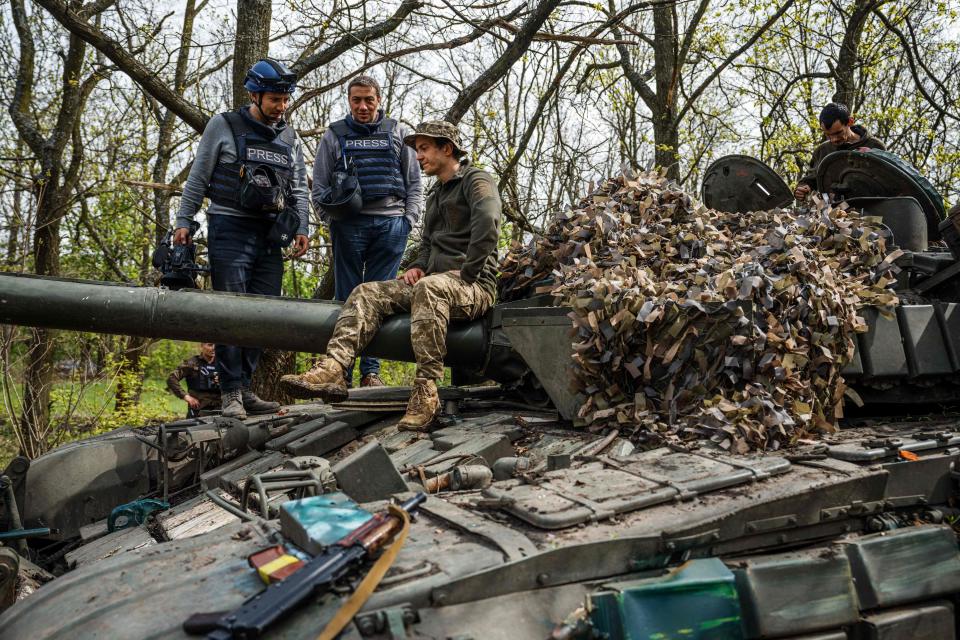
column 203, row 384
column 842, row 135
column 452, row 278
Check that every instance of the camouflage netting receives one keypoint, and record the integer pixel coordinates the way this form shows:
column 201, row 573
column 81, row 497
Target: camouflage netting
column 693, row 324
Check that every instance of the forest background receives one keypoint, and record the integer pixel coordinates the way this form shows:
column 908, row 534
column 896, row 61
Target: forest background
column 104, row 102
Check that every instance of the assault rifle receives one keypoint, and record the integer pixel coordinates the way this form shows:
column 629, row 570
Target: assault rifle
column 317, row 575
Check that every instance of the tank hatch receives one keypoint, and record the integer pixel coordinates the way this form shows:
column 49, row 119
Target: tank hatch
column 738, row 184
column 875, row 173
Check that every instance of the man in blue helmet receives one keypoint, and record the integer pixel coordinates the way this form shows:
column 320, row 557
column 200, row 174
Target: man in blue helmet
column 369, row 221
column 250, row 165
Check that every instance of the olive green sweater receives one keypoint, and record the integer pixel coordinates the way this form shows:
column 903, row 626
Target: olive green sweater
column 461, row 228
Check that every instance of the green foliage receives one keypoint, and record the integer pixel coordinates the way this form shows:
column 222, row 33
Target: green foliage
column 156, row 404
column 90, row 410
column 392, row 372
column 165, row 356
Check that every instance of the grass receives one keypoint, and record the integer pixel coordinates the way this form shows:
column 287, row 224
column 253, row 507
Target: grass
column 88, row 409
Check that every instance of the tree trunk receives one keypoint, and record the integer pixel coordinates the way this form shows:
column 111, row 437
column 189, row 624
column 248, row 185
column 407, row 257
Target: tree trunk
column 848, row 60
column 38, row 376
column 266, row 379
column 667, row 142
column 103, row 347
column 662, row 101
column 161, row 197
column 274, row 364
column 325, row 288
column 46, row 236
column 15, row 229
column 37, row 384
column 666, row 47
column 53, row 187
column 130, row 371
column 252, row 43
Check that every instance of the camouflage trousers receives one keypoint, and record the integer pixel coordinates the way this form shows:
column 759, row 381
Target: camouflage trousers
column 433, row 302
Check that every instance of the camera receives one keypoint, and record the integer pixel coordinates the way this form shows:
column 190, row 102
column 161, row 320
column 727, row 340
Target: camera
column 177, row 262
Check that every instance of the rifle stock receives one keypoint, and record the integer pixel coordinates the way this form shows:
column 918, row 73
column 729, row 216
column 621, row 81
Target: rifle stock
column 317, row 575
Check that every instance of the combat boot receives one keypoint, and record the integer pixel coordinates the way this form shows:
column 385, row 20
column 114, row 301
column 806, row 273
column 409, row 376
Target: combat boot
column 325, row 381
column 372, row 380
column 423, row 406
column 256, row 405
column 231, row 404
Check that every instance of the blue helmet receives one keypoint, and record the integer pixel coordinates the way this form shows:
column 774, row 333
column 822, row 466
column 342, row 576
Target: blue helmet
column 268, row 75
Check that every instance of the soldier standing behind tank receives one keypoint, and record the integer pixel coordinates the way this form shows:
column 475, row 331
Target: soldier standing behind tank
column 250, row 164
column 842, row 135
column 453, row 278
column 203, row 385
column 369, row 240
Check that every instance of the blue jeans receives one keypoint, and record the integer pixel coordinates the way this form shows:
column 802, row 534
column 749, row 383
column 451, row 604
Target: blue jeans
column 241, row 261
column 366, row 249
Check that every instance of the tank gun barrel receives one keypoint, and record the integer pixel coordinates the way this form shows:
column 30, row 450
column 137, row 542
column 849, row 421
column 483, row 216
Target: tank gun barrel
column 226, row 318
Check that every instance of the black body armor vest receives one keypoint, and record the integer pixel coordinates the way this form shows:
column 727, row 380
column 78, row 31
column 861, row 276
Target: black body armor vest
column 203, row 378
column 261, row 181
column 374, row 150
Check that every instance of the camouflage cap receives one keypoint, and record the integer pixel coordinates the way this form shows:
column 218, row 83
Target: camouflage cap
column 441, row 130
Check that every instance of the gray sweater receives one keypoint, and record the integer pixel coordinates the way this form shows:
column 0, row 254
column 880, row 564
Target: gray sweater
column 329, row 153
column 217, row 145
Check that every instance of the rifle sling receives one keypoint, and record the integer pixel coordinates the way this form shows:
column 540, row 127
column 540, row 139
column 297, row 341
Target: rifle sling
column 369, row 583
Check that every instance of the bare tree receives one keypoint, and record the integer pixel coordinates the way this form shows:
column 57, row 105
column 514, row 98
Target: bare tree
column 669, row 100
column 894, row 64
column 251, row 45
column 252, row 42
column 53, row 188
column 495, row 72
column 849, row 60
column 77, row 23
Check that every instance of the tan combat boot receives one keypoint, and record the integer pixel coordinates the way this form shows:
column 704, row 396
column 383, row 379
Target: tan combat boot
column 325, row 381
column 372, row 380
column 423, row 406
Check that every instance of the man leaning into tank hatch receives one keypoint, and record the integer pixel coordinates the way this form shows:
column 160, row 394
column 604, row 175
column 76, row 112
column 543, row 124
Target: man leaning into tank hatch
column 250, row 165
column 452, row 278
column 842, row 135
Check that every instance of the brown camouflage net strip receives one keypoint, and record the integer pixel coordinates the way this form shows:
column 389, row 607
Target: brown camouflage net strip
column 693, row 324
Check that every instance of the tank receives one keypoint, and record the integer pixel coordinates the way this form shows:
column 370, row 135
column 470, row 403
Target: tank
column 533, row 528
